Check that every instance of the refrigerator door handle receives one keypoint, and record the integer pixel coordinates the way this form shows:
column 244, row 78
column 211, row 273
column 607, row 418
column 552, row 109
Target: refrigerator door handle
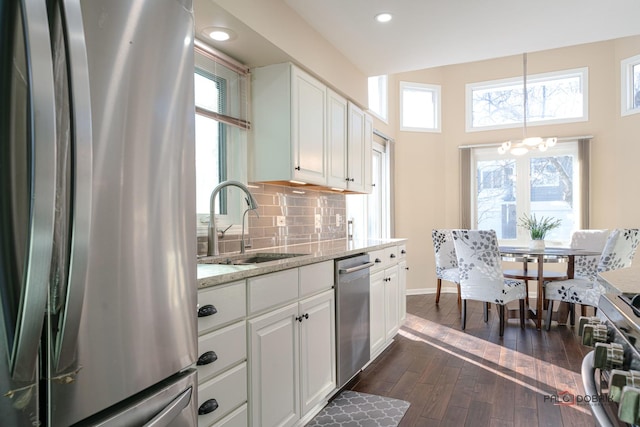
column 65, row 351
column 29, row 324
column 171, row 411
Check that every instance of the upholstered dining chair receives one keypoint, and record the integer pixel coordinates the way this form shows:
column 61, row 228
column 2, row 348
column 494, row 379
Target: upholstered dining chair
column 586, row 266
column 446, row 261
column 618, row 252
column 481, row 275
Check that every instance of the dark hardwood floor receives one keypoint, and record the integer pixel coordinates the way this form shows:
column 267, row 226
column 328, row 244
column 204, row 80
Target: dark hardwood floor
column 474, row 377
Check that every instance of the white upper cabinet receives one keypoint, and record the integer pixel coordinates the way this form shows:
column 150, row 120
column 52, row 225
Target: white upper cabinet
column 304, row 131
column 289, row 139
column 359, row 150
column 337, row 140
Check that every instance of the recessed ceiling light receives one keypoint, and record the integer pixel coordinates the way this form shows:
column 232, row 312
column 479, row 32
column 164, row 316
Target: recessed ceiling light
column 383, row 17
column 219, row 34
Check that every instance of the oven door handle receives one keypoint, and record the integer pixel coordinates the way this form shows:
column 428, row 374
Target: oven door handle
column 354, row 269
column 590, row 389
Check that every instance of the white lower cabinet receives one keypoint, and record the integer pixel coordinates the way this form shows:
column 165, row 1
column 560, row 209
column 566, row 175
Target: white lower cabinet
column 387, row 297
column 267, row 350
column 237, row 418
column 292, row 365
column 274, row 341
column 222, row 394
column 222, row 353
column 402, row 283
column 392, row 302
column 317, row 349
column 377, row 304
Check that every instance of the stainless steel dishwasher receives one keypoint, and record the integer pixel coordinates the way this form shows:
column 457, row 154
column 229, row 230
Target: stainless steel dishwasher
column 352, row 315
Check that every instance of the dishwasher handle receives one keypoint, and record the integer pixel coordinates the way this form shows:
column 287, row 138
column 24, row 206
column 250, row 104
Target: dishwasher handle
column 356, row 268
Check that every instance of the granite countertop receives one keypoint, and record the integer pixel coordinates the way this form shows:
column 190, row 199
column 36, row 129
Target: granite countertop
column 216, row 274
column 626, row 280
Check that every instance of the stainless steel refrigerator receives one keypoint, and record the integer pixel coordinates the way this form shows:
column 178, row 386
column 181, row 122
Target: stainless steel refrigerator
column 97, row 213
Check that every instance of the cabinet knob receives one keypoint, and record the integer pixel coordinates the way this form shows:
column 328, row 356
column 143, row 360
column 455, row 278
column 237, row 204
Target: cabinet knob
column 302, row 317
column 206, row 358
column 207, row 310
column 208, row 407
column 297, row 168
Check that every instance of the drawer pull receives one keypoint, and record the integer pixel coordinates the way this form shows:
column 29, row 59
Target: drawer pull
column 207, row 310
column 378, row 261
column 206, row 358
column 302, row 317
column 208, row 407
column 392, row 256
column 403, row 252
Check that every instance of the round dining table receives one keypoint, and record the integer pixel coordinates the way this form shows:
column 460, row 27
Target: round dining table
column 548, row 255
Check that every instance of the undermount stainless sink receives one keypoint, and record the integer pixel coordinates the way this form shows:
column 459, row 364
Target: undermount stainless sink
column 255, row 258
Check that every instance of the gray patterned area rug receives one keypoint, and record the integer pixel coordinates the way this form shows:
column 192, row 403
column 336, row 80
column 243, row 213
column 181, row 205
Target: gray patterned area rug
column 354, row 409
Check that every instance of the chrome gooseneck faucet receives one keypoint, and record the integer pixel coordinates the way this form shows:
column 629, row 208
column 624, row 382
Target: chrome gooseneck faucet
column 243, row 245
column 212, row 237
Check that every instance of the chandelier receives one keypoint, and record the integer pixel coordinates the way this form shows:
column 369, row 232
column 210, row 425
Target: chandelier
column 526, row 144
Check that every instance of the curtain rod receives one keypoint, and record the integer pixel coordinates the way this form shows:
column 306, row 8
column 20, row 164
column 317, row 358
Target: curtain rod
column 218, row 56
column 497, row 144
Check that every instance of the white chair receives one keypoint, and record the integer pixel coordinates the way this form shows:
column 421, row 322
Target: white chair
column 586, row 266
column 618, row 253
column 481, row 275
column 446, row 261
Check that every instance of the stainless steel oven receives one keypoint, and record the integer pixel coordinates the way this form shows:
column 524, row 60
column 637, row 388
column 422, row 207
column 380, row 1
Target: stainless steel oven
column 352, row 315
column 611, row 372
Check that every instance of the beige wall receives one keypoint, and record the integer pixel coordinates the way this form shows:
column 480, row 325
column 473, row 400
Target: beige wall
column 427, row 171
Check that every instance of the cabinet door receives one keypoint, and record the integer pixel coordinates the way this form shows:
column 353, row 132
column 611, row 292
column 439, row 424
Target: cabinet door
column 336, row 140
column 355, row 158
column 367, row 154
column 377, row 312
column 308, row 109
column 274, row 353
column 392, row 299
column 317, row 349
column 402, row 288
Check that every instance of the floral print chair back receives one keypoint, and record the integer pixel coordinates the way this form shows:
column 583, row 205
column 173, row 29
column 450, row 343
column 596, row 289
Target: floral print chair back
column 618, row 252
column 591, row 240
column 481, row 275
column 446, row 261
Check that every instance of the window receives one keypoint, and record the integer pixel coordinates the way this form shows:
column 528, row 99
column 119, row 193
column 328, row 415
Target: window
column 540, row 183
column 559, row 97
column 378, row 97
column 368, row 214
column 221, row 135
column 630, row 85
column 419, row 107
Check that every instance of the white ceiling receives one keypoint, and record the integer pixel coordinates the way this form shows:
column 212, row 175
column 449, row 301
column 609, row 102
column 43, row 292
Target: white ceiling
column 431, row 33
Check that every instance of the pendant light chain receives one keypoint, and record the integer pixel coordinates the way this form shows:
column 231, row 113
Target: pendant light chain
column 524, row 68
column 518, row 148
